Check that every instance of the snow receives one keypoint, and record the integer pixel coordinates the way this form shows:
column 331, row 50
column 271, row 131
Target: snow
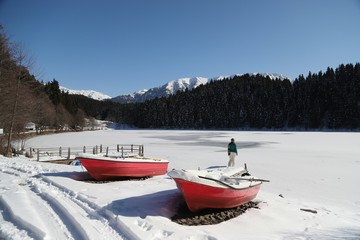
column 140, row 92
column 87, row 93
column 184, row 83
column 307, row 170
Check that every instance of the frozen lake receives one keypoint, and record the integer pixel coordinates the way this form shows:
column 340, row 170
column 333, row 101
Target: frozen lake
column 311, row 170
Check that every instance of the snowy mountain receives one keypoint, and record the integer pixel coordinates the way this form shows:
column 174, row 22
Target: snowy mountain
column 165, row 90
column 87, row 93
column 179, row 85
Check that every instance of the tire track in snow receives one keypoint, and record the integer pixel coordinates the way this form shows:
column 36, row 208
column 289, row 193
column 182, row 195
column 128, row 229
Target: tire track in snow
column 7, row 228
column 111, row 222
column 72, row 210
column 81, row 219
column 19, row 210
column 66, row 217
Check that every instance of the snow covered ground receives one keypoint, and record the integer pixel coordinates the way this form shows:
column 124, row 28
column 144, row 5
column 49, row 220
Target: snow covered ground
column 310, row 170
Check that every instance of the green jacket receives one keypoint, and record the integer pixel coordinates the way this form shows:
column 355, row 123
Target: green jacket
column 232, row 148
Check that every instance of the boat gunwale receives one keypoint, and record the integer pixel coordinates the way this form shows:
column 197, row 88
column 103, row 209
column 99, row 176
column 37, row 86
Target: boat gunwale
column 130, row 159
column 220, row 184
column 198, row 178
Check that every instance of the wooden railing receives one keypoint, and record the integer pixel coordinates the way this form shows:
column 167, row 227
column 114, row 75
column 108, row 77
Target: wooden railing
column 69, row 153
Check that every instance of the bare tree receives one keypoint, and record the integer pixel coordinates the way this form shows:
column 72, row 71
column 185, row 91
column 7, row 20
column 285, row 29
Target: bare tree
column 43, row 114
column 63, row 118
column 23, row 99
column 13, row 95
column 6, row 74
column 79, row 120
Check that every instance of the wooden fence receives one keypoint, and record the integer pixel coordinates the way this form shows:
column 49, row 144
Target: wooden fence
column 69, row 153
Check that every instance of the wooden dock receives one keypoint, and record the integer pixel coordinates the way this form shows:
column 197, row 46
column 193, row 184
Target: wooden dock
column 67, row 154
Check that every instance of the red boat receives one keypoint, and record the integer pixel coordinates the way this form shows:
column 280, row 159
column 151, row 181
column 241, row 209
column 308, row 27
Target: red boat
column 220, row 187
column 112, row 167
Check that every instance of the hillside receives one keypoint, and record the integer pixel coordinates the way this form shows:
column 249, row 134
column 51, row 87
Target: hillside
column 324, row 100
column 181, row 84
column 329, row 100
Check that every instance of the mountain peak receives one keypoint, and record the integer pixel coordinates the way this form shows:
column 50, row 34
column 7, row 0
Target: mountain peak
column 181, row 84
column 87, row 93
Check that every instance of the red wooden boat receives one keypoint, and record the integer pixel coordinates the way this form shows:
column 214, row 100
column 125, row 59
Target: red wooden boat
column 221, row 187
column 102, row 167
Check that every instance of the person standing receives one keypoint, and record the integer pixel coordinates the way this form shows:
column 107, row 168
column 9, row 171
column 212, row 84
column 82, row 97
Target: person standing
column 232, row 152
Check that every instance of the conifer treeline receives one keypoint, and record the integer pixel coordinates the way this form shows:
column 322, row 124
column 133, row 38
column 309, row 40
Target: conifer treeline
column 329, row 100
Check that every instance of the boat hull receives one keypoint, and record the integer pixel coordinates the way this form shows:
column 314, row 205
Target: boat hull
column 101, row 169
column 200, row 196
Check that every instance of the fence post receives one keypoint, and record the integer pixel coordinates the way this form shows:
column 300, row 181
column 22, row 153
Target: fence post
column 93, row 150
column 132, row 147
column 122, row 151
column 84, row 149
column 142, row 150
column 96, row 152
column 68, row 157
column 107, row 151
column 38, row 154
column 118, row 148
column 60, row 151
column 100, row 148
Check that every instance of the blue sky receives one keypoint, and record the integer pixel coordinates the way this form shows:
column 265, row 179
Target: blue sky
column 118, row 47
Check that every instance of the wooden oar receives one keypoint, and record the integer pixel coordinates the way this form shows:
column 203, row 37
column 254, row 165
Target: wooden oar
column 218, row 181
column 248, row 179
column 222, row 182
